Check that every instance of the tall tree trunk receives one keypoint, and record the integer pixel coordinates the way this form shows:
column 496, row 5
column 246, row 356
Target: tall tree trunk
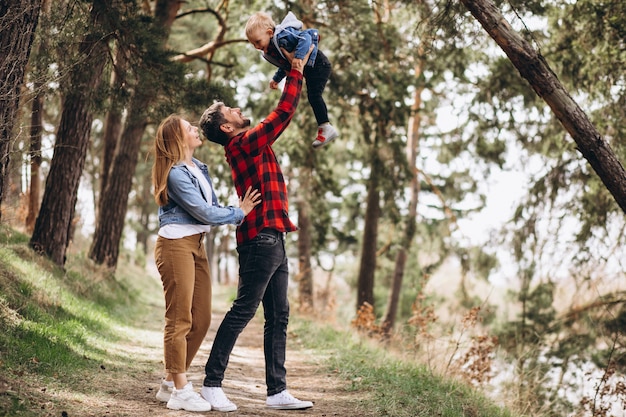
column 113, row 122
column 36, row 121
column 305, row 275
column 412, row 147
column 146, row 210
column 36, row 127
column 223, row 254
column 18, row 22
column 367, row 267
column 110, row 223
column 210, row 248
column 532, row 66
column 52, row 233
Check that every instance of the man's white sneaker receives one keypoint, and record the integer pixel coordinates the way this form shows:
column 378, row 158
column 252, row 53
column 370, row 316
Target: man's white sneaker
column 217, row 398
column 187, row 399
column 165, row 391
column 285, row 401
column 325, row 133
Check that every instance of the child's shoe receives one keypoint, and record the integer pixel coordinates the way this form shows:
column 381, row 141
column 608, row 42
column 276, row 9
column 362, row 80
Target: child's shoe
column 325, row 133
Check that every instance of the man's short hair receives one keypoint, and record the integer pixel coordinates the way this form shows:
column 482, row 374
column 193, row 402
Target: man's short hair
column 211, row 122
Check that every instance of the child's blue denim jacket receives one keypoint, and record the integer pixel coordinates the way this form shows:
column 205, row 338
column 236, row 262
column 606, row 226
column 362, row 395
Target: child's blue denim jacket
column 288, row 35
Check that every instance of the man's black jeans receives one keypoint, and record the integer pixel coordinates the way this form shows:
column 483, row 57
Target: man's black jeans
column 263, row 277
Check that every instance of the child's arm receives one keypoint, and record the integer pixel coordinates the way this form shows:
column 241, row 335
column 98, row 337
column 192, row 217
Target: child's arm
column 304, row 43
column 279, row 75
column 297, row 41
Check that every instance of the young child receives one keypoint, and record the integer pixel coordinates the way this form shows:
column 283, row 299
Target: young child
column 269, row 38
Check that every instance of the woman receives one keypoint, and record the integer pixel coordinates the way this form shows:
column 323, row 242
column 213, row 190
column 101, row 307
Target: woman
column 187, row 209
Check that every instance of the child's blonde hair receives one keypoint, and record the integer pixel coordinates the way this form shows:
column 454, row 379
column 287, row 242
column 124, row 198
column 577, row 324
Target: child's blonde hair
column 259, row 20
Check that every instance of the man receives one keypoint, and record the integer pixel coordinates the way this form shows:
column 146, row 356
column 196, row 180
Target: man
column 263, row 269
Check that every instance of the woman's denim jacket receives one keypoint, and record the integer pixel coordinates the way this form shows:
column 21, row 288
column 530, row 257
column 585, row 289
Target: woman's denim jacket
column 187, row 203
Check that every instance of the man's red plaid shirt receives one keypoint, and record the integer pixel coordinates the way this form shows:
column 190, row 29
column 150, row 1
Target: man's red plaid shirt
column 253, row 163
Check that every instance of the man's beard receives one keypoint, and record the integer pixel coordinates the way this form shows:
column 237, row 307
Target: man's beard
column 244, row 123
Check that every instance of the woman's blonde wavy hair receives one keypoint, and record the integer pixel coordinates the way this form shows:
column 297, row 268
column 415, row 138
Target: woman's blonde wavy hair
column 168, row 150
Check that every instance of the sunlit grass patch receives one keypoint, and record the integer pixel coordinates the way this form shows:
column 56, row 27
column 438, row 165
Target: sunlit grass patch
column 61, row 327
column 390, row 386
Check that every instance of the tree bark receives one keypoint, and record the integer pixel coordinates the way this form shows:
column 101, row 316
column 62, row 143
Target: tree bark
column 305, row 275
column 532, row 66
column 389, row 320
column 36, row 122
column 18, row 21
column 113, row 122
column 145, row 205
column 53, row 227
column 36, row 127
column 223, row 254
column 110, row 223
column 367, row 268
column 114, row 202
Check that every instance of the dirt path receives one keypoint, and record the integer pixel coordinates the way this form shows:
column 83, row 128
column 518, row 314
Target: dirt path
column 244, row 383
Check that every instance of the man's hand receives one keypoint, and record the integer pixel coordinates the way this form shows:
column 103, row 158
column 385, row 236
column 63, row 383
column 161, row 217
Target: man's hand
column 297, row 64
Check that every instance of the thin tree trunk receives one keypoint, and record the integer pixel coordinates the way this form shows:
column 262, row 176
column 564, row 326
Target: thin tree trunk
column 367, row 267
column 113, row 122
column 18, row 22
column 36, row 127
column 305, row 275
column 412, row 147
column 222, row 262
column 53, row 228
column 210, row 248
column 36, row 121
column 146, row 207
column 532, row 66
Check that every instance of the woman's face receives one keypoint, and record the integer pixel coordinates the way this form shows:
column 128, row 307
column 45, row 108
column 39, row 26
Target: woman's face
column 192, row 138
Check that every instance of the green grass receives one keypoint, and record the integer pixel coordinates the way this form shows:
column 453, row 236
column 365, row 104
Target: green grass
column 56, row 326
column 396, row 388
column 59, row 327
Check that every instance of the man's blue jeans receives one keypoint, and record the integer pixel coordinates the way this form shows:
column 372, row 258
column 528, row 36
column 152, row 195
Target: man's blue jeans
column 263, row 277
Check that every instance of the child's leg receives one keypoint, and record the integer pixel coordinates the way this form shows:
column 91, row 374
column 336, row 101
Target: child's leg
column 316, row 78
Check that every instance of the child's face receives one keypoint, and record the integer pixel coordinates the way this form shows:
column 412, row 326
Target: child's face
column 260, row 38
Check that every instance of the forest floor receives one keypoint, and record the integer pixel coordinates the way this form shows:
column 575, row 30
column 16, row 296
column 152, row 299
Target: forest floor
column 134, row 395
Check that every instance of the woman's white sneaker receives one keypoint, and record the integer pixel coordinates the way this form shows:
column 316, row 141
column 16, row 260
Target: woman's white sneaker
column 165, row 391
column 285, row 401
column 187, row 399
